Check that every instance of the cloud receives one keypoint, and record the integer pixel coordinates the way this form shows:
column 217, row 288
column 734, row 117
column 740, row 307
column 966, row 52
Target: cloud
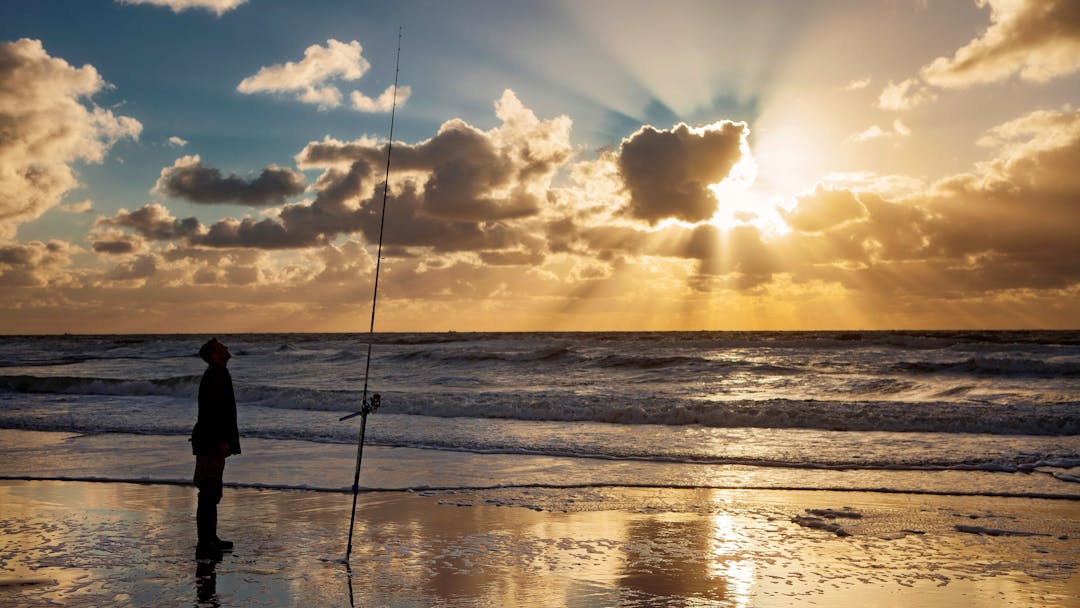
column 1008, row 224
column 177, row 141
column 887, row 185
column 114, row 247
column 463, row 189
column 219, row 7
column 904, row 95
column 188, row 178
column 49, row 124
column 507, row 217
column 83, row 206
column 310, row 79
column 139, row 269
column 118, row 244
column 823, row 209
column 154, row 222
column 384, row 103
column 348, row 263
column 667, row 172
column 857, row 84
column 1037, row 39
column 263, row 234
column 208, row 267
column 899, row 129
column 1038, row 130
column 873, row 132
column 34, row 264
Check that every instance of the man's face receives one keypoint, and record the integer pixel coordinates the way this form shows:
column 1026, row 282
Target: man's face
column 221, row 354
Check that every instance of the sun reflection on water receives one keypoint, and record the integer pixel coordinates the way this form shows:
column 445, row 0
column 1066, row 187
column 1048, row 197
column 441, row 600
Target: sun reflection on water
column 728, row 561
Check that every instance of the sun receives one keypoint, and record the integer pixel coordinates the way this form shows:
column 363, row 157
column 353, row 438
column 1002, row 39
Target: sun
column 743, row 200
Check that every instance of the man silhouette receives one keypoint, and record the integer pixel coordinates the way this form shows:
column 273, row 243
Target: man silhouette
column 214, row 438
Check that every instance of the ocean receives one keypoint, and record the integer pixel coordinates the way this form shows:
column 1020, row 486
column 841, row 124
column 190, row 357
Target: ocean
column 953, row 412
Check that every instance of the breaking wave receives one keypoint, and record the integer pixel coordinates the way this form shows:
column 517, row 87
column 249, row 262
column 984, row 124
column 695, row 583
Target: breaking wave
column 994, row 366
column 179, row 386
column 942, row 415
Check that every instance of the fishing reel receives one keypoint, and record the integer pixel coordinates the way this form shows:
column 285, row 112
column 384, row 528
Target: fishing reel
column 368, row 407
column 371, row 406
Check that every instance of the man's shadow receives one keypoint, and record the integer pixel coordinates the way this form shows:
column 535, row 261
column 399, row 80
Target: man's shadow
column 206, row 582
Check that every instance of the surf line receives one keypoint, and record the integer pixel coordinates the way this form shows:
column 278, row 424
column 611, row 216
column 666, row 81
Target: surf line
column 371, row 406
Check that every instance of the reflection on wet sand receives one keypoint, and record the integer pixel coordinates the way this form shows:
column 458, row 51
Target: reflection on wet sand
column 206, row 583
column 124, row 544
column 672, row 557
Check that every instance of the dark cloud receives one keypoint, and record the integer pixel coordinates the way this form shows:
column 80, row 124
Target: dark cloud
column 154, row 222
column 408, row 223
column 117, row 247
column 331, row 152
column 34, row 264
column 333, row 212
column 462, row 190
column 263, row 234
column 512, row 258
column 229, row 275
column 141, row 268
column 667, row 173
column 18, row 255
column 470, row 179
column 189, row 179
column 215, row 257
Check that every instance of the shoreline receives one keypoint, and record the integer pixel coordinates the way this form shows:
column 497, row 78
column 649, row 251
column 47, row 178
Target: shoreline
column 567, row 487
column 468, row 332
column 132, row 544
column 329, row 467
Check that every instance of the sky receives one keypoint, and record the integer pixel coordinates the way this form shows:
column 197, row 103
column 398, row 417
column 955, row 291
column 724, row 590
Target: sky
column 220, row 165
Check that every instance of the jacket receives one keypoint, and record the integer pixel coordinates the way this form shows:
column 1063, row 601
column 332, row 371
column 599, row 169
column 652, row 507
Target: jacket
column 217, row 414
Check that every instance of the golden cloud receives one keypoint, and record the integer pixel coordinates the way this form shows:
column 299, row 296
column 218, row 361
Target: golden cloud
column 35, row 264
column 50, row 124
column 477, row 216
column 311, row 79
column 904, row 95
column 1037, row 39
column 1008, row 224
column 219, row 7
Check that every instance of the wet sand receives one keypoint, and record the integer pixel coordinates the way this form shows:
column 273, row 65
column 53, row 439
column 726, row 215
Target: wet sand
column 124, row 544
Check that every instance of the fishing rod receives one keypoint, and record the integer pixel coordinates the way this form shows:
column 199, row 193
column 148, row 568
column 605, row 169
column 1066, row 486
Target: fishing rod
column 370, row 407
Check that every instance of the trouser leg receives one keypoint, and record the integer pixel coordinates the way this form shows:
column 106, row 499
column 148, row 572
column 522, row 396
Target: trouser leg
column 208, row 473
column 206, row 512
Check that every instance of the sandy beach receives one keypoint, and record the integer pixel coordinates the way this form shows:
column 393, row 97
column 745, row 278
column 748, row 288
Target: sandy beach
column 125, row 544
column 546, row 470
